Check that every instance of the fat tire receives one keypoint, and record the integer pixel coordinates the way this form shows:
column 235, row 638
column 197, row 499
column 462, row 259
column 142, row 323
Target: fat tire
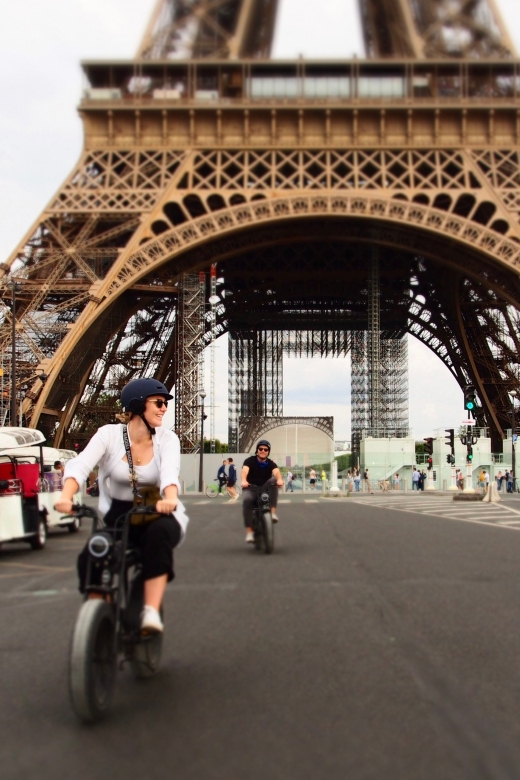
column 91, row 684
column 268, row 532
column 37, row 541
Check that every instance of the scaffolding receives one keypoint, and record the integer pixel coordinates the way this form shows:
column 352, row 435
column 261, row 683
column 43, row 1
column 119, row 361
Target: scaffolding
column 189, row 345
column 255, row 378
column 391, row 418
column 379, row 376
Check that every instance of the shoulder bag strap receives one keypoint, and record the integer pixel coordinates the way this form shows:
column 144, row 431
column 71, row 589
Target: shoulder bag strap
column 133, row 475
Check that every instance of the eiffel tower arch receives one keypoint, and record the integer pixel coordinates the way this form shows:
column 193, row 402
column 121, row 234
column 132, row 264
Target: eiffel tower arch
column 290, row 177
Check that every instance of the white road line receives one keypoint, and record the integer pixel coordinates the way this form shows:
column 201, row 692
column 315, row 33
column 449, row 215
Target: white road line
column 311, row 501
column 478, row 513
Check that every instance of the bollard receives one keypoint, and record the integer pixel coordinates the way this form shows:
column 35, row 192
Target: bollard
column 492, row 494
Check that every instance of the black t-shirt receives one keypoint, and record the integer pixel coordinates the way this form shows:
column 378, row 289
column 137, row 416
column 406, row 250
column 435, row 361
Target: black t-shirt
column 259, row 474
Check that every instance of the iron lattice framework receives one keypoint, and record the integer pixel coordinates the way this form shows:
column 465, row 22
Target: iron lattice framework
column 189, row 343
column 285, row 175
column 434, row 28
column 209, row 28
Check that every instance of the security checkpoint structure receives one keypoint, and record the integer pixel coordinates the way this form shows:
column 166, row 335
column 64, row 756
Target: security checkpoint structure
column 344, row 204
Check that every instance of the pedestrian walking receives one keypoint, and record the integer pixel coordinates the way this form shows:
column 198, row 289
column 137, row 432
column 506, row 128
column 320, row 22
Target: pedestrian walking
column 357, row 481
column 509, row 481
column 289, row 482
column 422, row 479
column 312, row 480
column 499, row 479
column 222, row 476
column 416, row 476
column 323, row 476
column 350, row 481
column 231, row 481
column 396, row 482
column 366, row 477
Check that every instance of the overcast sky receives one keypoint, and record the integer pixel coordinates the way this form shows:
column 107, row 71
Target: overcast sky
column 40, row 141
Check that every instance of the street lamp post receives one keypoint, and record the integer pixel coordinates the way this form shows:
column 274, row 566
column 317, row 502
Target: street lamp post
column 202, row 415
column 513, row 395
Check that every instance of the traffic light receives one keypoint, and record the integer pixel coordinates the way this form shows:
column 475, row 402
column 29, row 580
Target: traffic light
column 450, row 439
column 450, row 459
column 470, row 400
column 430, row 464
column 428, row 447
column 469, row 456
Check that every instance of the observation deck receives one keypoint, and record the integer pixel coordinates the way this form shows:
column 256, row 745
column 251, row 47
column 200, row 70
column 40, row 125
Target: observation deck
column 303, row 102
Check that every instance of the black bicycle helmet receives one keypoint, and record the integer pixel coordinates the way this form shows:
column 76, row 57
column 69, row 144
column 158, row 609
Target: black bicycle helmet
column 135, row 393
column 263, row 443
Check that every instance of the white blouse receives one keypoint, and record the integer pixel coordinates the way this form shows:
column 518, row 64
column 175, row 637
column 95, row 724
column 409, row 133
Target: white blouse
column 106, row 449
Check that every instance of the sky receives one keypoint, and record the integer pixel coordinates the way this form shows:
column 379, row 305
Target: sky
column 41, row 138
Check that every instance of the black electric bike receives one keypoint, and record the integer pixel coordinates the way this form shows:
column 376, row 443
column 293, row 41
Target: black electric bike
column 108, row 632
column 263, row 527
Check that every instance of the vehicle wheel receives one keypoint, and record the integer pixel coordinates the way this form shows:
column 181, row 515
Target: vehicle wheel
column 37, row 541
column 212, row 491
column 268, row 529
column 146, row 657
column 92, row 670
column 74, row 527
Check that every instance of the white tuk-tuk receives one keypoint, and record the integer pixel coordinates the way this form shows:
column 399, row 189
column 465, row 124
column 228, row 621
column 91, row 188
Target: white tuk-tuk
column 28, row 489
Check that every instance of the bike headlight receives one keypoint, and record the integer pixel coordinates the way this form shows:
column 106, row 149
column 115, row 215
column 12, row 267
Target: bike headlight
column 100, row 545
column 265, row 496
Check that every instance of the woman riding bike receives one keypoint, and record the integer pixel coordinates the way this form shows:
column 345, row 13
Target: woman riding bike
column 133, row 457
column 261, row 471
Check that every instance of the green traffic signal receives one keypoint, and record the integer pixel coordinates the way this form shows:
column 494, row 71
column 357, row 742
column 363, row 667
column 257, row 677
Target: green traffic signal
column 469, row 398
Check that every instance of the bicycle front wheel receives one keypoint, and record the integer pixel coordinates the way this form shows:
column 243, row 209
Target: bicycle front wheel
column 268, row 532
column 212, row 491
column 93, row 669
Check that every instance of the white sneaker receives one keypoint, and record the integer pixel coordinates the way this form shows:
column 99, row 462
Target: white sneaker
column 151, row 620
column 250, row 537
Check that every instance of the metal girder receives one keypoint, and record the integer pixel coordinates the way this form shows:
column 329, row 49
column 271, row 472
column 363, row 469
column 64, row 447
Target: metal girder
column 426, row 29
column 224, row 29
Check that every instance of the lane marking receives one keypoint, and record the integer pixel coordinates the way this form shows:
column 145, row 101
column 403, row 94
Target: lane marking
column 311, row 501
column 35, row 567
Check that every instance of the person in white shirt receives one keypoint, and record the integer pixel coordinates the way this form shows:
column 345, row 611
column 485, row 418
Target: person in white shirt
column 155, row 457
column 289, row 482
column 416, row 476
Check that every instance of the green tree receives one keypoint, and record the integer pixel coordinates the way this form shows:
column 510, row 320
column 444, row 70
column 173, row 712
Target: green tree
column 220, row 446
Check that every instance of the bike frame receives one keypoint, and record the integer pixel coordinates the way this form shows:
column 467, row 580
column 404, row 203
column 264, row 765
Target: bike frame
column 118, row 590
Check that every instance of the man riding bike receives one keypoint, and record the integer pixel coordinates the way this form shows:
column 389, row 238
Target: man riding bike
column 261, row 471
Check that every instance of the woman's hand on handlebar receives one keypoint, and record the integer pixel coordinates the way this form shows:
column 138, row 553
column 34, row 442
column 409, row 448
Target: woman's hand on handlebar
column 166, row 506
column 64, row 505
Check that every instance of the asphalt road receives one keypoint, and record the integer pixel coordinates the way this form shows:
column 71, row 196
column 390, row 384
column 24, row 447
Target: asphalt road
column 375, row 643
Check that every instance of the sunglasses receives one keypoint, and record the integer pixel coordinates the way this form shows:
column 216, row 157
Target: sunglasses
column 263, row 449
column 159, row 402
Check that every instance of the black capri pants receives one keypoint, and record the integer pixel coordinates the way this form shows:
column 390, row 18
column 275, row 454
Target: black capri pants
column 156, row 541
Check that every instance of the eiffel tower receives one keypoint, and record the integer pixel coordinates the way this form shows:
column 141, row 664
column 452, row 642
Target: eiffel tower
column 325, row 206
